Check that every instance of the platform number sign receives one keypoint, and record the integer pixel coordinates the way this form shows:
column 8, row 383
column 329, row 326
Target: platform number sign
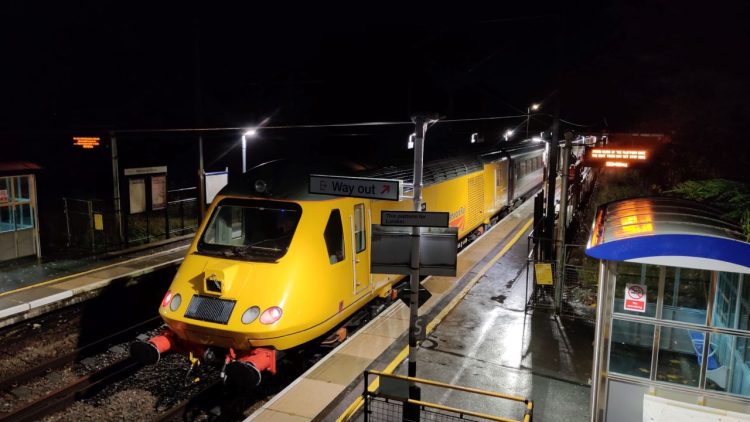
column 635, row 297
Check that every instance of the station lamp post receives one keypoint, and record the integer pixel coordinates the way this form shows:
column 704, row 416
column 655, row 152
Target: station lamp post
column 249, row 134
column 529, row 109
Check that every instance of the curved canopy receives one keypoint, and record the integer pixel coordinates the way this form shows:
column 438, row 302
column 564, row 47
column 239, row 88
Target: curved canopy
column 668, row 231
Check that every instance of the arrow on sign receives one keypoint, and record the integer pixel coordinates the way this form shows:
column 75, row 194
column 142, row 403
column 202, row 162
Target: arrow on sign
column 386, row 189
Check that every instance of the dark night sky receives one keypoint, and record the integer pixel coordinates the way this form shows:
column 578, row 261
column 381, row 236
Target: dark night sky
column 632, row 65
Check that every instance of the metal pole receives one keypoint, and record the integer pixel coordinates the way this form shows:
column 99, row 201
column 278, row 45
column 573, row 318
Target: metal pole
column 528, row 117
column 201, row 182
column 562, row 221
column 244, row 154
column 549, row 226
column 116, row 188
column 420, row 122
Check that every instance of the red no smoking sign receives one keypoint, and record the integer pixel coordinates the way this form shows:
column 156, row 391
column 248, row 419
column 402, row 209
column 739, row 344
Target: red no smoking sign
column 635, row 297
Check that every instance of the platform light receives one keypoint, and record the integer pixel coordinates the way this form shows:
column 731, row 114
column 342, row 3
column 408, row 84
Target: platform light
column 410, row 144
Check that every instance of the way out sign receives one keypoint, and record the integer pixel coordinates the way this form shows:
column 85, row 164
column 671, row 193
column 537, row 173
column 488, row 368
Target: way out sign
column 357, row 187
column 635, row 297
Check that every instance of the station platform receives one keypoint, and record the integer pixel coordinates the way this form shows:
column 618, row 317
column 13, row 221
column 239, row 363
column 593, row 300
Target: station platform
column 479, row 336
column 29, row 287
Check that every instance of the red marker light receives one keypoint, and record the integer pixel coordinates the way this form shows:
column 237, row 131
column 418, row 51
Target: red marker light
column 270, row 315
column 167, row 298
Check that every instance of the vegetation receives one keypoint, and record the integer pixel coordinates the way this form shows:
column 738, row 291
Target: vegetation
column 733, row 198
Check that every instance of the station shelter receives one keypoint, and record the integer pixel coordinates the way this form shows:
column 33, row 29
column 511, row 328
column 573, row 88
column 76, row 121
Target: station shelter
column 673, row 288
column 19, row 228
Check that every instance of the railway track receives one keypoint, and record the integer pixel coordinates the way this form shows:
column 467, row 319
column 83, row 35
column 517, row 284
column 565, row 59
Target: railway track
column 77, row 354
column 79, row 389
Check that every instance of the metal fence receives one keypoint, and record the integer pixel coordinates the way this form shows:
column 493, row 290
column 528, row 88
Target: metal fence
column 574, row 287
column 390, row 402
column 91, row 224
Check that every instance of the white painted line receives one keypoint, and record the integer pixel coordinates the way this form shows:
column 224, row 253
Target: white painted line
column 18, row 309
column 49, row 299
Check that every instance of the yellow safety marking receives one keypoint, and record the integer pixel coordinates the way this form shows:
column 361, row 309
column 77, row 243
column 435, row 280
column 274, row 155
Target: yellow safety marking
column 354, row 407
column 66, row 277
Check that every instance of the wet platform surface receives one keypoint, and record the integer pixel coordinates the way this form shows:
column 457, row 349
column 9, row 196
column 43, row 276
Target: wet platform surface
column 486, row 341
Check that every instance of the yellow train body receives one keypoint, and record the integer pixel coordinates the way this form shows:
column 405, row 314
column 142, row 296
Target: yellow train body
column 315, row 291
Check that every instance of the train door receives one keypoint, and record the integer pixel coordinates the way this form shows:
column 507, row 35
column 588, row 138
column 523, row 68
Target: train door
column 361, row 261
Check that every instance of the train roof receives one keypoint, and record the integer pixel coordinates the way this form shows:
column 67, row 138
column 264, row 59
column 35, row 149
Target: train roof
column 668, row 231
column 289, row 178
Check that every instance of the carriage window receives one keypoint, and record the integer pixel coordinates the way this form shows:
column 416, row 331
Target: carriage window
column 359, row 227
column 334, row 237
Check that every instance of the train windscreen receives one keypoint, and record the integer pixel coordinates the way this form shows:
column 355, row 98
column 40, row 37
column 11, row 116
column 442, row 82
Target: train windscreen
column 250, row 230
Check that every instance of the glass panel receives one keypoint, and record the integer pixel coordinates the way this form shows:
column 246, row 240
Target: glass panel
column 359, row 227
column 5, row 190
column 22, row 188
column 6, row 219
column 686, row 295
column 729, row 370
column 727, row 297
column 24, row 217
column 251, row 231
column 630, row 350
column 334, row 237
column 643, row 275
column 743, row 323
column 679, row 356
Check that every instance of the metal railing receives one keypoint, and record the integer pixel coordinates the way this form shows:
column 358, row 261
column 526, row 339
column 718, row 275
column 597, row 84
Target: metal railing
column 91, row 224
column 390, row 401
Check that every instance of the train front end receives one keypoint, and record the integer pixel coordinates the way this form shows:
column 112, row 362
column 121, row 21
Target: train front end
column 234, row 300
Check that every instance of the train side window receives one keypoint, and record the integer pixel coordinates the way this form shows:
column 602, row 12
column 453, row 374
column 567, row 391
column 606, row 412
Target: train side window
column 360, row 235
column 334, row 237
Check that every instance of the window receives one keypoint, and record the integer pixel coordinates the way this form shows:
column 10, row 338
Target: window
column 251, row 230
column 334, row 237
column 360, row 236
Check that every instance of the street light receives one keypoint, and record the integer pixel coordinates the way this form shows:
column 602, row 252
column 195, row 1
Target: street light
column 250, row 133
column 410, row 144
column 508, row 134
column 529, row 109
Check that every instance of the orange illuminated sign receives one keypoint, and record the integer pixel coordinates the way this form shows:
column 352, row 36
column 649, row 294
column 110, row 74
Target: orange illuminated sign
column 615, row 157
column 86, row 142
column 618, row 154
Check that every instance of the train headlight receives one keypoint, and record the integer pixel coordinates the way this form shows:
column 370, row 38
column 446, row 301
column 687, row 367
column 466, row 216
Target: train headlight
column 250, row 314
column 175, row 302
column 270, row 315
column 167, row 298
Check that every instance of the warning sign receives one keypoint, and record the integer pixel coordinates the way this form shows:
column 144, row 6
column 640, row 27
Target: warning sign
column 635, row 297
column 543, row 273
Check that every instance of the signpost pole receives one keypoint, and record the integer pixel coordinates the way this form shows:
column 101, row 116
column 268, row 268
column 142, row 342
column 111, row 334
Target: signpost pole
column 420, row 122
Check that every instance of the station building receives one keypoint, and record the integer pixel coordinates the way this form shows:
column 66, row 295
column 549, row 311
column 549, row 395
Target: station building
column 673, row 288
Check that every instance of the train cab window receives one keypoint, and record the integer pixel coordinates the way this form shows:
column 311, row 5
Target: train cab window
column 360, row 236
column 250, row 230
column 334, row 237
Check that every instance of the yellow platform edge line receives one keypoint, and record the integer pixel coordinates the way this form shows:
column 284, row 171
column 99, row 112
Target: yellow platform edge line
column 82, row 273
column 357, row 404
